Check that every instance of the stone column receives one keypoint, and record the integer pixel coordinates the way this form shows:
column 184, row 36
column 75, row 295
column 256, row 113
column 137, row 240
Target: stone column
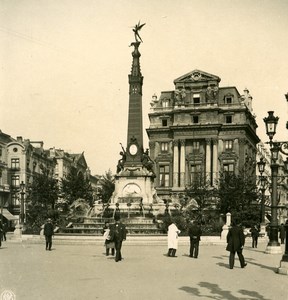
column 175, row 163
column 208, row 159
column 182, row 163
column 215, row 160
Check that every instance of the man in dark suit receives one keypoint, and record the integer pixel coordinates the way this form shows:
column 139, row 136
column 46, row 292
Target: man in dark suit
column 194, row 232
column 118, row 235
column 236, row 241
column 48, row 232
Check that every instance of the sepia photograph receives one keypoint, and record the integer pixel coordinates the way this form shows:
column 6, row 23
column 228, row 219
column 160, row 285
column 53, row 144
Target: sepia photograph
column 143, row 149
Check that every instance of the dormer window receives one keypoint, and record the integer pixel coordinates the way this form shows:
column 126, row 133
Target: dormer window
column 165, row 103
column 228, row 99
column 196, row 98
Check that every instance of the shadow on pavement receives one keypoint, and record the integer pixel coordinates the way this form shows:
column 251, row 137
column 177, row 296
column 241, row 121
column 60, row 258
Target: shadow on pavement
column 218, row 293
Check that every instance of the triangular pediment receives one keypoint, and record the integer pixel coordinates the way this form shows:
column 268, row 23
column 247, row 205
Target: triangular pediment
column 197, row 76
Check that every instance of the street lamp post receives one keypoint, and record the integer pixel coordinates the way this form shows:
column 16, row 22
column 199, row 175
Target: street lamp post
column 263, row 185
column 22, row 193
column 271, row 122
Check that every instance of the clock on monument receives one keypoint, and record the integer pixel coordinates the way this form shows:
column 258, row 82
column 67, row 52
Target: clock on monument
column 133, row 149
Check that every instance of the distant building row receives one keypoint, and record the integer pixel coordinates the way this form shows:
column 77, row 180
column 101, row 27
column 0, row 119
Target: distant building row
column 21, row 159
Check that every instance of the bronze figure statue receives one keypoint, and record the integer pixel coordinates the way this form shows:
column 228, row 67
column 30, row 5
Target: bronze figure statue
column 136, row 30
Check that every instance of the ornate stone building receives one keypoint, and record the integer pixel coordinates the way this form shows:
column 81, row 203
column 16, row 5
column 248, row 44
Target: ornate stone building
column 22, row 159
column 200, row 128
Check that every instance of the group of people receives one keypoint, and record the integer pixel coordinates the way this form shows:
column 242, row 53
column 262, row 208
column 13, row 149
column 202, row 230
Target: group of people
column 114, row 234
column 235, row 241
column 194, row 232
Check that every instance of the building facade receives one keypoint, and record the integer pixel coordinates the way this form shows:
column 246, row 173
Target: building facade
column 200, row 128
column 21, row 160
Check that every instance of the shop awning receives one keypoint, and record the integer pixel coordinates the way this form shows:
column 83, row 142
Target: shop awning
column 8, row 215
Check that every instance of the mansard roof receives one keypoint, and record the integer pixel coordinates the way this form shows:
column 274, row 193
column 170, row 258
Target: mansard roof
column 197, row 76
column 5, row 138
column 79, row 158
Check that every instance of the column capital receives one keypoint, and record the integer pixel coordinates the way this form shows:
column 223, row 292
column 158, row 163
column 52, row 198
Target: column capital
column 208, row 141
column 242, row 141
column 182, row 142
column 175, row 142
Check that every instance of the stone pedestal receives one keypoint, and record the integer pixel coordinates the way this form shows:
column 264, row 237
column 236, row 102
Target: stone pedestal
column 134, row 185
column 226, row 227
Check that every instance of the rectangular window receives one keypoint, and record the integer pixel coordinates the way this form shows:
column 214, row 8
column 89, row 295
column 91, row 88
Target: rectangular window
column 15, row 163
column 15, row 200
column 228, row 100
column 196, row 98
column 229, row 168
column 15, row 181
column 165, row 103
column 164, row 147
column 195, row 119
column 229, row 145
column 196, row 146
column 228, row 119
column 195, row 173
column 164, row 123
column 164, row 176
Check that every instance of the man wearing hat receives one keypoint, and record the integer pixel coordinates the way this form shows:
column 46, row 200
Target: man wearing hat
column 117, row 235
column 48, row 232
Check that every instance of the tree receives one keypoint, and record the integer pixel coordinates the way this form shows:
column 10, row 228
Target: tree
column 238, row 195
column 107, row 183
column 201, row 197
column 41, row 200
column 76, row 186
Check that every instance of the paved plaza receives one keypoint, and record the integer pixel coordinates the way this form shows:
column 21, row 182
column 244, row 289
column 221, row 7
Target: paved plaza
column 82, row 271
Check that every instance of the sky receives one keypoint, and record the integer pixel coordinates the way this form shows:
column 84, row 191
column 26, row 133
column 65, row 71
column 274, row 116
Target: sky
column 65, row 64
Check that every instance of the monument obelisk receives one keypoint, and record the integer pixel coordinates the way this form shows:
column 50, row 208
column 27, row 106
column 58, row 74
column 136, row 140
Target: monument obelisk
column 134, row 180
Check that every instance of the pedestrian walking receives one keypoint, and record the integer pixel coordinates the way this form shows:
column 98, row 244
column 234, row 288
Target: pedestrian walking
column 236, row 241
column 48, row 232
column 173, row 233
column 282, row 233
column 108, row 243
column 5, row 229
column 254, row 234
column 118, row 235
column 194, row 232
